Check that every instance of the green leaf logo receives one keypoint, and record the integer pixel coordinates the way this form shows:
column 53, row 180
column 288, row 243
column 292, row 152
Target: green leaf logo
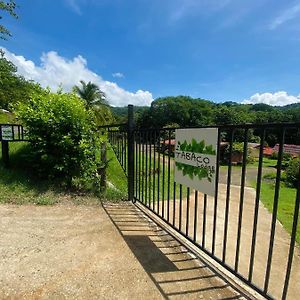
column 193, row 171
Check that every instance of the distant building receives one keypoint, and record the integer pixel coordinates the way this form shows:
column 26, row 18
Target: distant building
column 291, row 149
column 164, row 145
column 268, row 151
column 253, row 145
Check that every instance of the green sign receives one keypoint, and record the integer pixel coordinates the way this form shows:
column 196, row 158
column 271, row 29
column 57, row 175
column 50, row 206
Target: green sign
column 195, row 158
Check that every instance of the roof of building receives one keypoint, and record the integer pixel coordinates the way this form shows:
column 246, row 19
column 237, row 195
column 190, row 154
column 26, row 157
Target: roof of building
column 288, row 148
column 166, row 142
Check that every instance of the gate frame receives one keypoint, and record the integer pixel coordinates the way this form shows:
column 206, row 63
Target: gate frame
column 263, row 291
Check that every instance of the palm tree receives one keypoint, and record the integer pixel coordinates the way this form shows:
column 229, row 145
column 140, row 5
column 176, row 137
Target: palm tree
column 91, row 93
column 95, row 99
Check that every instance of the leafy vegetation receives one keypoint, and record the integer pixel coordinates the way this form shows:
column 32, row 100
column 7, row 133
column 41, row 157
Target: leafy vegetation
column 7, row 118
column 292, row 172
column 91, row 94
column 20, row 185
column 13, row 87
column 10, row 8
column 116, row 179
column 62, row 127
column 63, row 139
column 121, row 113
column 95, row 99
column 189, row 112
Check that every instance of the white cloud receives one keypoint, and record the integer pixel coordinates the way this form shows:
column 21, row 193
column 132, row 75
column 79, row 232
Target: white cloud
column 74, row 5
column 118, row 75
column 56, row 70
column 183, row 8
column 280, row 98
column 285, row 16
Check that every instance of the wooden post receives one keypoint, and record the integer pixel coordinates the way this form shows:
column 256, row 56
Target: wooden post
column 103, row 171
column 5, row 153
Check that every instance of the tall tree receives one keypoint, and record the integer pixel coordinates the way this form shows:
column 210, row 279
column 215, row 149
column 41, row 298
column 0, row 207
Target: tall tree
column 91, row 93
column 13, row 87
column 95, row 99
column 10, row 8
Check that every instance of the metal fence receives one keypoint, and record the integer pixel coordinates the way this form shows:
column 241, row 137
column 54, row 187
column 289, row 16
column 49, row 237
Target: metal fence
column 118, row 140
column 233, row 227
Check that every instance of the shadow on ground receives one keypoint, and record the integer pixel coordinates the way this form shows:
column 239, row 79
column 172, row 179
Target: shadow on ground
column 175, row 272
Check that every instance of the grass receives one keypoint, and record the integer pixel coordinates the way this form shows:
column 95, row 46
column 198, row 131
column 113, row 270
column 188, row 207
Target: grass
column 148, row 177
column 6, row 118
column 286, row 204
column 267, row 163
column 116, row 178
column 20, row 186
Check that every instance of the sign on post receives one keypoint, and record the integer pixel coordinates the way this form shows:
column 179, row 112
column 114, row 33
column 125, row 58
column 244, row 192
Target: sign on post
column 195, row 158
column 7, row 133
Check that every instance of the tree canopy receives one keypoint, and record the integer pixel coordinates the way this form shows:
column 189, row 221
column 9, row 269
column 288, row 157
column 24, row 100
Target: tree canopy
column 91, row 93
column 8, row 7
column 13, row 87
column 185, row 111
column 95, row 99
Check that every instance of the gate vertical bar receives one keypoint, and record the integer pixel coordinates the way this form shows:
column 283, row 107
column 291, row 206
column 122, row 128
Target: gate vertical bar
column 215, row 217
column 130, row 151
column 275, row 210
column 292, row 243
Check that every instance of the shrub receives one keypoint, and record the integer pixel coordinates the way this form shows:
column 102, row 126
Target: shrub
column 63, row 142
column 285, row 156
column 238, row 147
column 292, row 172
column 274, row 155
column 273, row 175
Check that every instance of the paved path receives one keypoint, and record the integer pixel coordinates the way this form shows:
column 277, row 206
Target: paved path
column 281, row 244
column 79, row 252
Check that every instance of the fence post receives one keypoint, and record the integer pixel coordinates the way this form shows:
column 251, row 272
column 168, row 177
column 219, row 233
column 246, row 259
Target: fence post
column 5, row 153
column 103, row 171
column 130, row 145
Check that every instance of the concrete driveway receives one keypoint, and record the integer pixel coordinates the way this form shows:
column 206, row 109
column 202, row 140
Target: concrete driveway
column 95, row 252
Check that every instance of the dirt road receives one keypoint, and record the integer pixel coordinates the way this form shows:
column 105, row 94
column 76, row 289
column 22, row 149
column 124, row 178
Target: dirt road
column 88, row 252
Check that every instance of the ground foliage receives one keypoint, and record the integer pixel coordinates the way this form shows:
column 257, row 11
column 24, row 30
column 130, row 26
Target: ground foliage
column 63, row 140
column 292, row 172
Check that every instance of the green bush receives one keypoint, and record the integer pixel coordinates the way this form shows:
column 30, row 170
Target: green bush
column 292, row 172
column 63, row 142
column 270, row 176
column 273, row 175
column 285, row 156
column 274, row 155
column 238, row 147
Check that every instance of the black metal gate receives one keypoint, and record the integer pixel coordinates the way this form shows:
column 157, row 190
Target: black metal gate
column 233, row 227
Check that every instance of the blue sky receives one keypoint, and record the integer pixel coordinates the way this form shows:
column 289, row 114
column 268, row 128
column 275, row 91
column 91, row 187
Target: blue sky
column 138, row 50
